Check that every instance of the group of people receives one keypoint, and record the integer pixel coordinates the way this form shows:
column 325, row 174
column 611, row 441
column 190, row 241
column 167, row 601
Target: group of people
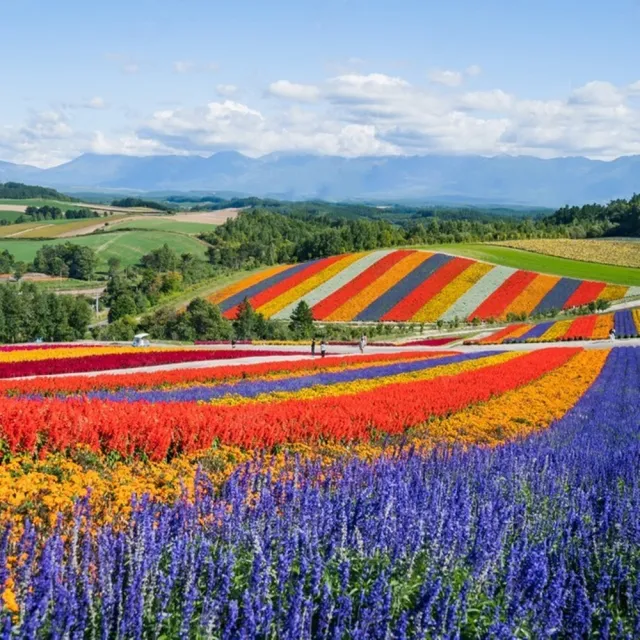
column 362, row 343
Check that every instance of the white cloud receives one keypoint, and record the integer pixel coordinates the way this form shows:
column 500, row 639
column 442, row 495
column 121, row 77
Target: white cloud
column 226, row 90
column 351, row 114
column 95, row 103
column 597, row 93
column 183, row 66
column 473, row 70
column 446, row 77
column 293, row 91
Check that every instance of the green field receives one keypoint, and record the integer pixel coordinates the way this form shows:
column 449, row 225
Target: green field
column 529, row 261
column 167, row 223
column 38, row 202
column 128, row 246
column 10, row 216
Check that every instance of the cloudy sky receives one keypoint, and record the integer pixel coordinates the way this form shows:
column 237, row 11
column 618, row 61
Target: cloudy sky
column 344, row 77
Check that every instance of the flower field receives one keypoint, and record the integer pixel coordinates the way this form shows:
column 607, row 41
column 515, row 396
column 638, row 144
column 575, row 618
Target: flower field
column 414, row 494
column 616, row 252
column 408, row 286
column 591, row 327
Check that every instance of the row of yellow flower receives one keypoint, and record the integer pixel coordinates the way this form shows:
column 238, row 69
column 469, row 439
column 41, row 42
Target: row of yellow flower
column 29, row 355
column 529, row 299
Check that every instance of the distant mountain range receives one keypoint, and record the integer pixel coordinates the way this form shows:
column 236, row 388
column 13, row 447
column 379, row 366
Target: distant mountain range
column 456, row 179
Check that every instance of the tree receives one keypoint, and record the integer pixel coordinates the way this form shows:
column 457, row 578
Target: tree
column 162, row 259
column 121, row 306
column 114, row 265
column 301, row 324
column 245, row 321
column 19, row 269
column 207, row 321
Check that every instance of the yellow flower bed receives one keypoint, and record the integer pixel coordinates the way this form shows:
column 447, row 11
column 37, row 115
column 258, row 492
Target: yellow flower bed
column 529, row 299
column 636, row 318
column 439, row 304
column 520, row 412
column 613, row 292
column 556, row 330
column 24, row 355
column 280, row 302
column 349, row 310
column 604, row 324
column 623, row 254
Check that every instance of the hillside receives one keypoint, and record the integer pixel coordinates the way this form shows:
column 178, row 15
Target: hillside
column 19, row 191
column 445, row 178
column 409, row 286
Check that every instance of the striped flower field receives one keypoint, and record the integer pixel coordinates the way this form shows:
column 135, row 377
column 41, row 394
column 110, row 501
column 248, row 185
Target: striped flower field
column 408, row 286
column 590, row 327
column 396, row 496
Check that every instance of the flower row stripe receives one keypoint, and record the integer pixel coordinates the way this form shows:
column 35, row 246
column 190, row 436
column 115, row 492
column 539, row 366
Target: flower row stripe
column 557, row 330
column 155, row 430
column 360, row 301
column 107, row 362
column 404, row 308
column 506, row 332
column 471, row 299
column 441, row 292
column 582, row 327
column 501, row 419
column 385, row 305
column 613, row 292
column 536, row 331
column 532, row 295
column 587, row 292
column 495, row 305
column 330, row 304
column 558, row 296
column 636, row 319
column 444, row 300
column 254, row 388
column 246, row 283
column 462, row 365
column 291, row 278
column 358, row 263
column 603, row 326
column 332, row 266
column 204, row 375
column 623, row 323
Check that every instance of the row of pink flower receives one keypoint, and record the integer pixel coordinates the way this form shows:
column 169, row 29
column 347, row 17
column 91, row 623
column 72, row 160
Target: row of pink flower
column 107, row 362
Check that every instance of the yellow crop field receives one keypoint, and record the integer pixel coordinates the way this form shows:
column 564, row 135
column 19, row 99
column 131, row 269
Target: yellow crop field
column 616, row 252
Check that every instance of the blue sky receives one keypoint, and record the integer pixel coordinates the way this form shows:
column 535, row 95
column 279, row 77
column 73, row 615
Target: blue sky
column 346, row 77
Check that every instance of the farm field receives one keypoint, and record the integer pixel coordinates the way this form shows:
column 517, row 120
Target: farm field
column 408, row 286
column 165, row 223
column 613, row 252
column 588, row 327
column 373, row 491
column 519, row 259
column 129, row 246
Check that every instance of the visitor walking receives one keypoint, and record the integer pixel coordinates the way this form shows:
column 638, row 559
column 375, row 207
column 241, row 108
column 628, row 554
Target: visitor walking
column 612, row 334
column 323, row 349
column 313, row 347
column 362, row 343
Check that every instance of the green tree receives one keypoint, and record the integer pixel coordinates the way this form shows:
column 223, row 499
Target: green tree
column 301, row 324
column 207, row 321
column 121, row 306
column 245, row 321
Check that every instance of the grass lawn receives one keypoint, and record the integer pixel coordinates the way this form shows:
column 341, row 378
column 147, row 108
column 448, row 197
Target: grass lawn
column 10, row 216
column 529, row 261
column 129, row 246
column 167, row 223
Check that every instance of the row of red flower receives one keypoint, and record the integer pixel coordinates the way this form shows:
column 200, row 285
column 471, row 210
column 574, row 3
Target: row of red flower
column 162, row 430
column 107, row 362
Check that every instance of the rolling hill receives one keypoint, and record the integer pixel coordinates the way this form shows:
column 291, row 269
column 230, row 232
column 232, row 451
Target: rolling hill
column 409, row 286
column 446, row 178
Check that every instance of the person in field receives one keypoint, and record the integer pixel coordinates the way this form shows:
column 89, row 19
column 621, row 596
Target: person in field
column 323, row 349
column 612, row 334
column 362, row 343
column 313, row 347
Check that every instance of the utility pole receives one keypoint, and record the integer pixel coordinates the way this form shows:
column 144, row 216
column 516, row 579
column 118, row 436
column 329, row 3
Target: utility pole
column 97, row 304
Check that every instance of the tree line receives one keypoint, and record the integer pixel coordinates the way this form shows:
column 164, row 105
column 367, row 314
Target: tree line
column 48, row 212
